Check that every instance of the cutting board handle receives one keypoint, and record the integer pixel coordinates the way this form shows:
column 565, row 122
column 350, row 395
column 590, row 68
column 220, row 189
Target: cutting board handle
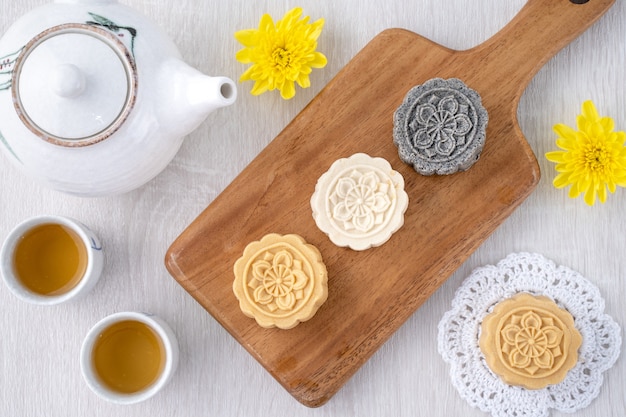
column 541, row 28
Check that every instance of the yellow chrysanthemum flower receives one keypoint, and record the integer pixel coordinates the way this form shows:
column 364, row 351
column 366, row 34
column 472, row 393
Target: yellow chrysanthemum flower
column 593, row 159
column 281, row 54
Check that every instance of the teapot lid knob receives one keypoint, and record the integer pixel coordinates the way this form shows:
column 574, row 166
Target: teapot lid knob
column 74, row 84
column 67, row 80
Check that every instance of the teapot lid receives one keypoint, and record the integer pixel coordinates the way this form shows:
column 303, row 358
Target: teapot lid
column 74, row 84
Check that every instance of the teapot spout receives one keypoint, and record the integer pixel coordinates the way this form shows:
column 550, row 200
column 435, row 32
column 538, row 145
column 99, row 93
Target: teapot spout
column 189, row 96
column 211, row 93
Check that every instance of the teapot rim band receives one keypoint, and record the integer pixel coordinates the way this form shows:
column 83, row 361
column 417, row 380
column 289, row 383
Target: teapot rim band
column 126, row 58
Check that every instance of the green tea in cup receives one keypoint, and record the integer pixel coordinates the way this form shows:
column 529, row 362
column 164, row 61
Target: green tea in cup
column 51, row 259
column 128, row 357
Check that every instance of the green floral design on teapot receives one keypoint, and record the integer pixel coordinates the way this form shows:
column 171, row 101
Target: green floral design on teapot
column 5, row 143
column 7, row 62
column 105, row 23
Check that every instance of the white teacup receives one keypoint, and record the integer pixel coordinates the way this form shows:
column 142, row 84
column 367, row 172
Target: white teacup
column 117, row 358
column 51, row 246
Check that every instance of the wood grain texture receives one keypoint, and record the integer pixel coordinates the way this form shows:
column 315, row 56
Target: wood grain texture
column 372, row 293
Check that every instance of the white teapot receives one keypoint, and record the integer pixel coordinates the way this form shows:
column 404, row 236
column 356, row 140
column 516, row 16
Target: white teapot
column 94, row 98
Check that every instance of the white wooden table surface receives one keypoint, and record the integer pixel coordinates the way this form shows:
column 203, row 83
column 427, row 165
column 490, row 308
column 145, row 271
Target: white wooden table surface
column 39, row 347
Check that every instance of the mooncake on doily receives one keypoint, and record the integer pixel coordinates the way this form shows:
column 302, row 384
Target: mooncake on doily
column 530, row 341
column 526, row 336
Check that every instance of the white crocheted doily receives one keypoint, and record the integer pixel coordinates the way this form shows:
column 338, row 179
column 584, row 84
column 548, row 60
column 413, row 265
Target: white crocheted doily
column 459, row 332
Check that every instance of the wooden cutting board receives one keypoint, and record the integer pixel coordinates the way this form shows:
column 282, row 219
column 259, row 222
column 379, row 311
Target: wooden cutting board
column 372, row 293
